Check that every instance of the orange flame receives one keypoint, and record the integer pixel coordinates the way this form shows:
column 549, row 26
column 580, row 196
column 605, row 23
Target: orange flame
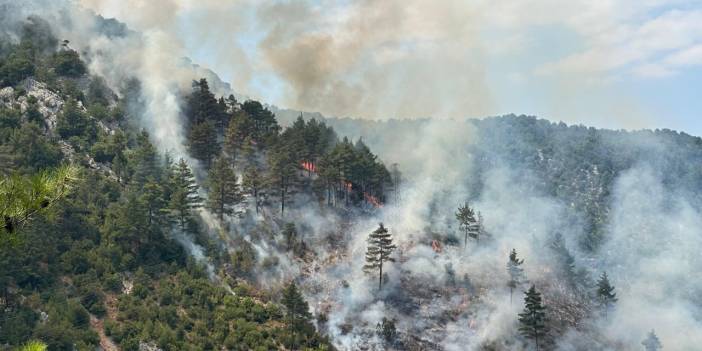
column 436, row 246
column 372, row 200
column 309, row 166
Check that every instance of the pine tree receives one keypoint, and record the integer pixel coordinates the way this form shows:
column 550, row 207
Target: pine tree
column 264, row 123
column 253, row 183
column 283, row 172
column 72, row 121
column 297, row 312
column 239, row 129
column 292, row 242
column 380, row 247
column 578, row 279
column 145, row 160
column 533, row 319
column 202, row 142
column 152, row 197
column 515, row 271
column 606, row 297
column 184, row 194
column 651, row 343
column 469, row 222
column 205, row 117
column 224, row 190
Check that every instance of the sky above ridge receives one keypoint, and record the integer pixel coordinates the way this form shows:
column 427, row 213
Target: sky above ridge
column 615, row 64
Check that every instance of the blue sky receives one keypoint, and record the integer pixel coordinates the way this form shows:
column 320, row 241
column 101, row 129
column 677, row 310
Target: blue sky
column 607, row 63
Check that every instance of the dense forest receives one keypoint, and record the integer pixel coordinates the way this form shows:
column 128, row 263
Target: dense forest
column 273, row 229
column 102, row 260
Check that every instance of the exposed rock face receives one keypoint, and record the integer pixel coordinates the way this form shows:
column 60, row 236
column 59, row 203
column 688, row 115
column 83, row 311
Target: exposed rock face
column 48, row 102
column 143, row 346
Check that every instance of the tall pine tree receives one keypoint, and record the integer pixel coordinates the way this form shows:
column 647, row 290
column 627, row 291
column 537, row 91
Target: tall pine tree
column 184, row 195
column 652, row 343
column 253, row 183
column 297, row 313
column 606, row 297
column 224, row 190
column 515, row 271
column 202, row 142
column 469, row 222
column 533, row 319
column 380, row 247
column 283, row 172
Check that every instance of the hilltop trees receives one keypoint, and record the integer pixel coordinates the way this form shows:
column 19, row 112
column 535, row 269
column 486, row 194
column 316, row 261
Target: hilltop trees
column 184, row 196
column 224, row 190
column 606, row 297
column 469, row 222
column 515, row 271
column 203, row 114
column 532, row 321
column 265, row 126
column 652, row 343
column 380, row 247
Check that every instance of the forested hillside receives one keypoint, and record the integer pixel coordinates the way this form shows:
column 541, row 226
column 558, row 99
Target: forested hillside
column 106, row 264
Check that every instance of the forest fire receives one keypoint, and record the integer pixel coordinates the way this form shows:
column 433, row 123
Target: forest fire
column 309, row 166
column 372, row 200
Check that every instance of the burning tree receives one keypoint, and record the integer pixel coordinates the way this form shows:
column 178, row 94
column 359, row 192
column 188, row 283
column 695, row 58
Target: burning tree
column 516, row 272
column 533, row 319
column 380, row 247
column 470, row 222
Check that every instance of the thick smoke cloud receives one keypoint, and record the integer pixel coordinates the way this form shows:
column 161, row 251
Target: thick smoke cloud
column 418, row 58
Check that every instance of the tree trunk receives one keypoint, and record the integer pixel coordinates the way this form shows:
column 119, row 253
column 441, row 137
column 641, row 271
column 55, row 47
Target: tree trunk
column 221, row 204
column 256, row 199
column 282, row 197
column 380, row 276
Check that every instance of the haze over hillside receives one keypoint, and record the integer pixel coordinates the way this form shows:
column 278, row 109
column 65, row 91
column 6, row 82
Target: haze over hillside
column 148, row 204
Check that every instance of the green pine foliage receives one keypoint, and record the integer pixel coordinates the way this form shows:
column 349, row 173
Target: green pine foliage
column 469, row 222
column 300, row 331
column 105, row 250
column 532, row 321
column 224, row 193
column 184, row 197
column 378, row 252
column 606, row 297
